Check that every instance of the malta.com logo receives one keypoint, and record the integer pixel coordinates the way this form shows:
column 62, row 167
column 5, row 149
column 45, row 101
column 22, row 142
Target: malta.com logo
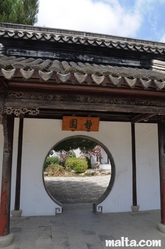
column 125, row 242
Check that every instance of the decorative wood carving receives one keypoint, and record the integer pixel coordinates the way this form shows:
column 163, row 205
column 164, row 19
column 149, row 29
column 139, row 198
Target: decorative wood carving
column 82, row 99
column 7, row 146
column 21, row 111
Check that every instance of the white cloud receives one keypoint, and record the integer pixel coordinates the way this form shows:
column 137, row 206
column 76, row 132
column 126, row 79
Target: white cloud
column 146, row 4
column 106, row 17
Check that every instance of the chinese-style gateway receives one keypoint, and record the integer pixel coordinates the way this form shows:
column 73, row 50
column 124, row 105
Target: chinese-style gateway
column 46, row 74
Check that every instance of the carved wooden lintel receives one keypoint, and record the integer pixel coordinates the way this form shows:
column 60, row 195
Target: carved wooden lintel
column 21, row 111
column 84, row 99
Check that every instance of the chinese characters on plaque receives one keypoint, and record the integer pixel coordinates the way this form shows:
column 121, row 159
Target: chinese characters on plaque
column 80, row 123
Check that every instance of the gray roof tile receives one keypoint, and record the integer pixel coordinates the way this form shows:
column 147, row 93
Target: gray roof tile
column 75, row 37
column 98, row 73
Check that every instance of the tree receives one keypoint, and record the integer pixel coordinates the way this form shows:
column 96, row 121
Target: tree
column 83, row 144
column 96, row 152
column 19, row 11
column 5, row 10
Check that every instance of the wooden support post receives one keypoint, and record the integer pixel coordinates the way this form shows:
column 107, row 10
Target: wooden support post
column 134, row 190
column 135, row 207
column 8, row 127
column 19, row 160
column 161, row 137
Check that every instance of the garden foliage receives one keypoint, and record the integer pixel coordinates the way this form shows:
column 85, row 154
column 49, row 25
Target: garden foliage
column 79, row 165
column 55, row 170
column 51, row 160
column 19, row 11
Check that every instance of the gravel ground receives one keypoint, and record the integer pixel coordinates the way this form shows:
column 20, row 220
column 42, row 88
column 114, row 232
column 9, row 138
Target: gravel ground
column 71, row 190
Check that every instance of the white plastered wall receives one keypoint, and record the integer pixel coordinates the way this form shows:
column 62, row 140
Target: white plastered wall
column 117, row 138
column 148, row 187
column 39, row 137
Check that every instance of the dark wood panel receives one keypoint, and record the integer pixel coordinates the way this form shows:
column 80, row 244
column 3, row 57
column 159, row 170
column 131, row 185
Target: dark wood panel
column 21, row 103
column 84, row 89
column 161, row 138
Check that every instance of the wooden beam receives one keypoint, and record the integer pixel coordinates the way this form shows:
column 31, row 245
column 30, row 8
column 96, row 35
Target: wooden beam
column 134, row 187
column 19, row 161
column 161, row 137
column 110, row 91
column 8, row 127
column 141, row 117
column 77, row 106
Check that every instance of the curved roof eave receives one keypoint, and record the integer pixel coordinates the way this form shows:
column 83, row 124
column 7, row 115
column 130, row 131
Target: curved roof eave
column 28, row 32
column 83, row 73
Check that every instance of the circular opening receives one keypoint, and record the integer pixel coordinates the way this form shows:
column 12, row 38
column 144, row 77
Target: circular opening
column 78, row 169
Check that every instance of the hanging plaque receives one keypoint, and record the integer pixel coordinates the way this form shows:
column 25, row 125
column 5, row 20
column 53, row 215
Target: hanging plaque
column 72, row 123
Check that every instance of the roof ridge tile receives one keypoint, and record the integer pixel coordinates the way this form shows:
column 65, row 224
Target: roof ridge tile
column 45, row 34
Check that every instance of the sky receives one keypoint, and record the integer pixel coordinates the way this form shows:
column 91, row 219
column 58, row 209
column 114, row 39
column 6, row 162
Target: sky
column 140, row 19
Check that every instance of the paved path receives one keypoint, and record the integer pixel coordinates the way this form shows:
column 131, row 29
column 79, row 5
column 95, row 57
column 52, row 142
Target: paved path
column 78, row 227
column 69, row 190
column 83, row 229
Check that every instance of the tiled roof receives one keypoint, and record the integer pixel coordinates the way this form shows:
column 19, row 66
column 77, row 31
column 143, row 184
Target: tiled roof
column 84, row 38
column 82, row 73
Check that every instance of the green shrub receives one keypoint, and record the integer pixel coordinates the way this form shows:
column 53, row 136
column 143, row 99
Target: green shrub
column 51, row 160
column 79, row 165
column 55, row 170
